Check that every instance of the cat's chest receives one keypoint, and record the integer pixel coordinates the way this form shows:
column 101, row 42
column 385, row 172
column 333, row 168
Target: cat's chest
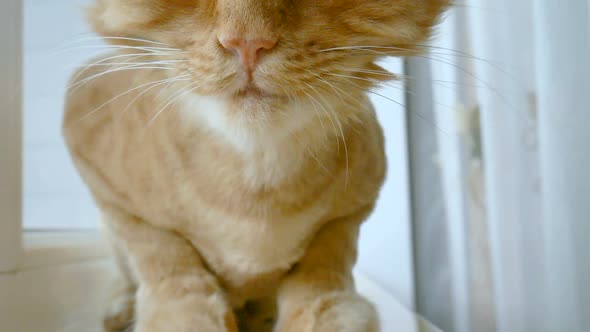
column 248, row 253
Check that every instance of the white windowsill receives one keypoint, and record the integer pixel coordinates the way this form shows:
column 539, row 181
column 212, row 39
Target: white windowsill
column 75, row 263
column 49, row 248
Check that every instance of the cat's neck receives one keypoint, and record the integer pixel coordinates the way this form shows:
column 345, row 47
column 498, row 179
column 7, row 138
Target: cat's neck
column 251, row 134
column 272, row 148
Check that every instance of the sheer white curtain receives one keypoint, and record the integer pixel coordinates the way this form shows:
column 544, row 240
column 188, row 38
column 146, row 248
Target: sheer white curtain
column 511, row 99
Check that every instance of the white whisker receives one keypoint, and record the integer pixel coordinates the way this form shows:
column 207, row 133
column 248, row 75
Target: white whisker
column 161, row 82
column 175, row 98
column 113, row 38
column 405, row 77
column 163, row 62
column 153, row 50
column 331, row 114
column 316, row 110
column 334, row 87
column 73, row 87
column 391, row 86
column 370, row 71
column 133, row 56
column 121, row 95
column 457, row 53
column 313, row 156
column 458, row 67
column 326, row 113
column 400, row 104
column 444, row 61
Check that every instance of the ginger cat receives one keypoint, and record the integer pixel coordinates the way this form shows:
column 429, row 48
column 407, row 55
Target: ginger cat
column 233, row 152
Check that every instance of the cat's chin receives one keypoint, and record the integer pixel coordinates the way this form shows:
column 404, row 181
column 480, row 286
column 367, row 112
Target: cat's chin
column 253, row 99
column 252, row 92
column 254, row 104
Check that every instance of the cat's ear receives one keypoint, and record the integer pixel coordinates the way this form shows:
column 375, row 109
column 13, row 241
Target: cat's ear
column 417, row 21
column 431, row 13
column 121, row 18
column 434, row 9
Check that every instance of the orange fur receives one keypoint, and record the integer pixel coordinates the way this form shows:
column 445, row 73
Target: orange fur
column 232, row 210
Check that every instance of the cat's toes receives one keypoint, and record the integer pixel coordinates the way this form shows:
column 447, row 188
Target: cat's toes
column 346, row 313
column 120, row 313
column 334, row 312
column 189, row 312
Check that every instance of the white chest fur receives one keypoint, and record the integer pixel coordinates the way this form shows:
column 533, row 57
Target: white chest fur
column 254, row 247
column 271, row 152
column 271, row 142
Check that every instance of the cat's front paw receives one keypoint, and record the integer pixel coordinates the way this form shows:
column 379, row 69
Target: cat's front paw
column 188, row 312
column 333, row 312
column 120, row 312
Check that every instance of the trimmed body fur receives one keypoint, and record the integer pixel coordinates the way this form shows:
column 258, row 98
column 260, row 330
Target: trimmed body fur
column 232, row 210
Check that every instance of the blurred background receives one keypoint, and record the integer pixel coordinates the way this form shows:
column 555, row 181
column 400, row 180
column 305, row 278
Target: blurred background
column 484, row 222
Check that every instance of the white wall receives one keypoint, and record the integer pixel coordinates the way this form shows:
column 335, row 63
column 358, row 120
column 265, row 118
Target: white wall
column 54, row 196
column 385, row 244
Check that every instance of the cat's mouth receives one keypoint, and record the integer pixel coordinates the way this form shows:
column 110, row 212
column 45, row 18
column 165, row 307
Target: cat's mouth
column 253, row 92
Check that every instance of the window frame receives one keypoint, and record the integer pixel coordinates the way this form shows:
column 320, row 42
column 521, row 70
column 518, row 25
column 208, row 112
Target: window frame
column 11, row 135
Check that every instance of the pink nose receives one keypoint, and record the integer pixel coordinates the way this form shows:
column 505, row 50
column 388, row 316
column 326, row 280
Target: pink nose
column 249, row 51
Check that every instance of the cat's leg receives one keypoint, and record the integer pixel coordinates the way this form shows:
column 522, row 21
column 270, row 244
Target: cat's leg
column 319, row 294
column 119, row 315
column 175, row 291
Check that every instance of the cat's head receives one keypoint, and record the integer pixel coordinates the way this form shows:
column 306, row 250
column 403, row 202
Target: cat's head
column 265, row 52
